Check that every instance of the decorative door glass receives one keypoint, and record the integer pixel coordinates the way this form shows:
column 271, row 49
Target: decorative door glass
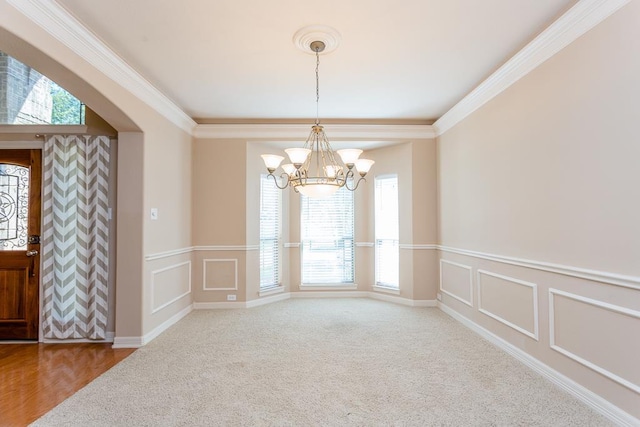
column 14, row 207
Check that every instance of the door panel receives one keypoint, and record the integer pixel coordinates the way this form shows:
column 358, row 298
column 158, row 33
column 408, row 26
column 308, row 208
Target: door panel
column 20, row 210
column 12, row 296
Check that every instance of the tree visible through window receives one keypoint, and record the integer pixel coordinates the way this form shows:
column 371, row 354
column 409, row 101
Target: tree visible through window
column 327, row 234
column 66, row 108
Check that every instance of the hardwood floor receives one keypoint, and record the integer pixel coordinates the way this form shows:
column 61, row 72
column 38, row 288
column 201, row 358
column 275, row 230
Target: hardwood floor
column 34, row 378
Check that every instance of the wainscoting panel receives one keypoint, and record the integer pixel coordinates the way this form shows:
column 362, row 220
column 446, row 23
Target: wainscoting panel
column 456, row 280
column 169, row 284
column 510, row 301
column 220, row 274
column 579, row 327
column 613, row 347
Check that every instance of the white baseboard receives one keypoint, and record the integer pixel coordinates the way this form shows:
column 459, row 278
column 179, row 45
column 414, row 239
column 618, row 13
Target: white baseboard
column 167, row 324
column 404, row 301
column 268, row 300
column 424, row 303
column 329, row 294
column 585, row 395
column 311, row 294
column 217, row 305
column 137, row 342
column 127, row 342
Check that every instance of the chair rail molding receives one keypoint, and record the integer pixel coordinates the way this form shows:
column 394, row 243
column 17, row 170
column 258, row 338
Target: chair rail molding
column 189, row 249
column 625, row 281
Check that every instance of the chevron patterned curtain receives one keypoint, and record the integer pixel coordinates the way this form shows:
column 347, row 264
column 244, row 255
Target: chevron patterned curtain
column 75, row 237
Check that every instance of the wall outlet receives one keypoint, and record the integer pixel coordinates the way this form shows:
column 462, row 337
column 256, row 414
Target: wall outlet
column 439, row 296
column 231, row 297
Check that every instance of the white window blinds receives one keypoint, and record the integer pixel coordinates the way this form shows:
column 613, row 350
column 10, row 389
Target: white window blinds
column 270, row 208
column 387, row 231
column 327, row 233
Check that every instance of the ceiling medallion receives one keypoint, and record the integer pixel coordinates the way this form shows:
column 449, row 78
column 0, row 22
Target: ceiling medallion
column 317, row 33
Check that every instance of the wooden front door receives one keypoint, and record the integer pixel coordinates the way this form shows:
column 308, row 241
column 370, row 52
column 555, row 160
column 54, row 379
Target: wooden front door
column 20, row 210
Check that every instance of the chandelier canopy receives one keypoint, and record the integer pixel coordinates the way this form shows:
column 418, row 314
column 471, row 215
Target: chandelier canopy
column 315, row 170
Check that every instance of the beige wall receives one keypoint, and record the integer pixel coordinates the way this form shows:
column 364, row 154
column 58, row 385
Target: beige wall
column 415, row 164
column 547, row 173
column 226, row 213
column 425, row 220
column 219, row 220
column 167, row 187
column 219, row 185
column 153, row 160
column 556, row 154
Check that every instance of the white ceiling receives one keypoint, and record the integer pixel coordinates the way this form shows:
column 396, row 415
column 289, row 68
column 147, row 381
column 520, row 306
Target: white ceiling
column 235, row 59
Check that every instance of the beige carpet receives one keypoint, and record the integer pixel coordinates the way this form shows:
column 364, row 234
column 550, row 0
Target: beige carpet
column 326, row 362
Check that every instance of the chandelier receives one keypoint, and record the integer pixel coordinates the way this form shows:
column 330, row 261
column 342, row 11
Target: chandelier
column 315, row 170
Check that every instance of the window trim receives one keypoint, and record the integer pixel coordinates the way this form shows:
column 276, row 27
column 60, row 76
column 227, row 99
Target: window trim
column 269, row 288
column 385, row 286
column 323, row 285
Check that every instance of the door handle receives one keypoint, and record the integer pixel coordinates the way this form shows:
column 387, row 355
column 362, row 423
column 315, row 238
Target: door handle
column 31, row 254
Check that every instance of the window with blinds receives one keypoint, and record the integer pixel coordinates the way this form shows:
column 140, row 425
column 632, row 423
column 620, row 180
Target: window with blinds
column 270, row 211
column 327, row 238
column 387, row 232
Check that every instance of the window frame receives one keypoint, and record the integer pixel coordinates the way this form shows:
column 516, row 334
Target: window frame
column 382, row 243
column 344, row 243
column 276, row 241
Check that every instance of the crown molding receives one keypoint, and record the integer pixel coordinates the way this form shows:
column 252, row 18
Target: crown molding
column 63, row 26
column 583, row 16
column 297, row 131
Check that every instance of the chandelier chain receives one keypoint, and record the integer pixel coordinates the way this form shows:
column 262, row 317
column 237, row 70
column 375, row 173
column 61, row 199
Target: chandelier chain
column 317, row 86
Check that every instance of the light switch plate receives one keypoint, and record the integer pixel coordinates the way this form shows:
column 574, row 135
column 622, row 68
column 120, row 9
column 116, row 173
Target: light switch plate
column 154, row 213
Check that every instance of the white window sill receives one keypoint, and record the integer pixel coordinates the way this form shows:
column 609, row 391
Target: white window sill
column 329, row 287
column 386, row 289
column 271, row 290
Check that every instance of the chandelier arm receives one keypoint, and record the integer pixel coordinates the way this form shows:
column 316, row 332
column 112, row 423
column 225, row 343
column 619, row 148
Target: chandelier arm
column 283, row 176
column 356, row 186
column 349, row 175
